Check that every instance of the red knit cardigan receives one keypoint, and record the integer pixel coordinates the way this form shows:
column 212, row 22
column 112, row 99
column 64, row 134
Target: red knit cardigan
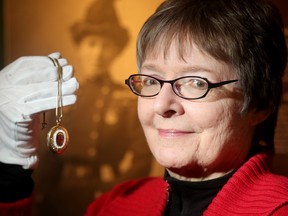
column 252, row 190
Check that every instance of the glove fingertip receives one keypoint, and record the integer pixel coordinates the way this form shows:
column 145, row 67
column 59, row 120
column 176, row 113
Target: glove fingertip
column 55, row 55
column 69, row 100
column 67, row 72
column 63, row 62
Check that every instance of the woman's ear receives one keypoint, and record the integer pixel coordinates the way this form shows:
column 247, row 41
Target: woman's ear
column 259, row 116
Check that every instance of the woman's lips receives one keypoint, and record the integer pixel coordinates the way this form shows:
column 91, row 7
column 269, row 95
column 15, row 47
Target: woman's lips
column 172, row 132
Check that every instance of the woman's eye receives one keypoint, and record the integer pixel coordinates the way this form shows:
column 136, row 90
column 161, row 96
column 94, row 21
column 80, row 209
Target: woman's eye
column 149, row 82
column 197, row 83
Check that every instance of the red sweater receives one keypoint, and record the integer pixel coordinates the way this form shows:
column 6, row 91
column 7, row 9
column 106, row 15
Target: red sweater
column 252, row 190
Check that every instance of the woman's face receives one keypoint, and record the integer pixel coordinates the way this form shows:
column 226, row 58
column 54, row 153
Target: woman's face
column 203, row 138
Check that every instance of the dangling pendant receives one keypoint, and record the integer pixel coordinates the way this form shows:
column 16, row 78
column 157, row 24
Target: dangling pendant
column 58, row 139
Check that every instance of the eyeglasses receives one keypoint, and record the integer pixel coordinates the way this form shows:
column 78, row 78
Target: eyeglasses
column 187, row 87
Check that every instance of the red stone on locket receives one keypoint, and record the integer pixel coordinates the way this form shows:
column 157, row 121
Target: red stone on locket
column 60, row 138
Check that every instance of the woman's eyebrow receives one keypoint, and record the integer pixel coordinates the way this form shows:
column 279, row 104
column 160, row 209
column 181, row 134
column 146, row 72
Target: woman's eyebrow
column 188, row 69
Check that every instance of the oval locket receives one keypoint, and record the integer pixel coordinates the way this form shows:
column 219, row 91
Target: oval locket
column 57, row 139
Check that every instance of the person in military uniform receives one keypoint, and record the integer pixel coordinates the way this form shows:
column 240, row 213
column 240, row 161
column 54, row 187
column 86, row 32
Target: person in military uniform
column 107, row 144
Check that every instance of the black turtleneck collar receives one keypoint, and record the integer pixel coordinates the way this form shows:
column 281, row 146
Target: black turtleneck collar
column 192, row 198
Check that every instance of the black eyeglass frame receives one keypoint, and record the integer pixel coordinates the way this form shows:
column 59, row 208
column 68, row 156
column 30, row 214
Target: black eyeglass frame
column 172, row 82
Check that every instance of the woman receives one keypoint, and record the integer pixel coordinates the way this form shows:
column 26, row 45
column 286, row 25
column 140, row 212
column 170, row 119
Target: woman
column 209, row 83
column 209, row 87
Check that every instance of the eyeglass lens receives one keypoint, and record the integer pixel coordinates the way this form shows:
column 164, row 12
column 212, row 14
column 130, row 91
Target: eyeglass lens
column 187, row 87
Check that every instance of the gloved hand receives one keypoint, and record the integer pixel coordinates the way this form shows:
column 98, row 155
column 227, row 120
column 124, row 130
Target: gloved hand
column 28, row 86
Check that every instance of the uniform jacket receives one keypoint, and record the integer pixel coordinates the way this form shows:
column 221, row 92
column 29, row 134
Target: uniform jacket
column 105, row 136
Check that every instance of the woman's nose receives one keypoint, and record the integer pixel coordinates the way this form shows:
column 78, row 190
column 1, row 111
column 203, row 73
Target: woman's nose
column 167, row 103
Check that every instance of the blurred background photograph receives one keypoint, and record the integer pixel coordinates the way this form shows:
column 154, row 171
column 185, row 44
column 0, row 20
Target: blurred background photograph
column 107, row 145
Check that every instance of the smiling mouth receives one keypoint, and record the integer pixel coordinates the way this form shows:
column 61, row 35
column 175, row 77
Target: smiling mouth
column 172, row 133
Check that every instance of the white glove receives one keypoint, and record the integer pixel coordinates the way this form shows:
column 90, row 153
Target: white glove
column 29, row 86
